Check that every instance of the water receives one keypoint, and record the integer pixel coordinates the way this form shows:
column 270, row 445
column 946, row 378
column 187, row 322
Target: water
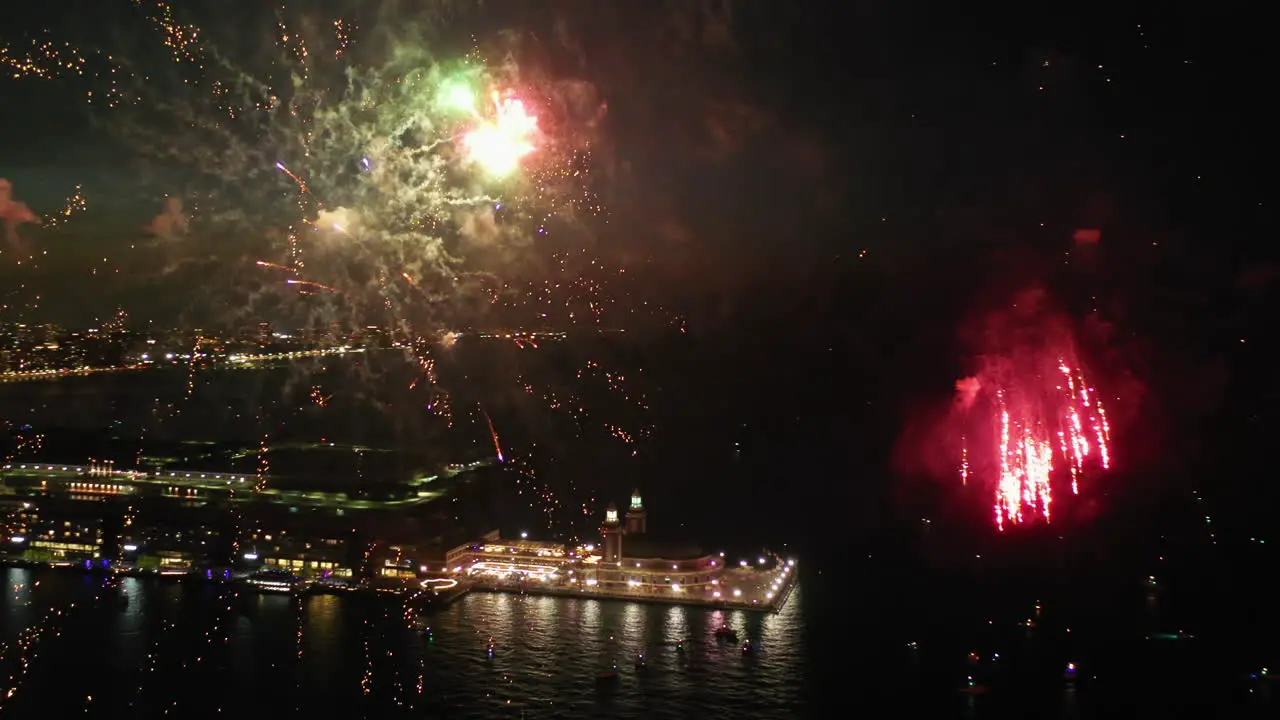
column 270, row 655
column 857, row 634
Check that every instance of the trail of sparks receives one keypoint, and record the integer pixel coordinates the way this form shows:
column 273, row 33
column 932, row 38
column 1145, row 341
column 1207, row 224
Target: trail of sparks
column 74, row 204
column 497, row 444
column 264, row 462
column 1034, row 422
column 302, row 184
column 309, row 284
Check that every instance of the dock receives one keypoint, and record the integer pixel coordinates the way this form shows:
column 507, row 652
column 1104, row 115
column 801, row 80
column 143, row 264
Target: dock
column 772, row 604
column 446, row 590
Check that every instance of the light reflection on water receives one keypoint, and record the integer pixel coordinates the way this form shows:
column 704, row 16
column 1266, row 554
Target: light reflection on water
column 356, row 653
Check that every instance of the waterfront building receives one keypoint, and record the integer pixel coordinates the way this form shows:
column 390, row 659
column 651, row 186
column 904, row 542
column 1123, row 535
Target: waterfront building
column 633, row 561
column 299, row 553
column 15, row 523
column 495, row 557
column 62, row 538
column 406, row 561
column 166, row 546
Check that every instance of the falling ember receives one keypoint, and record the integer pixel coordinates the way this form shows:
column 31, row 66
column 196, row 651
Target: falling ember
column 497, row 445
column 1037, row 420
column 1029, row 420
column 305, row 283
column 319, row 398
column 302, row 185
column 273, row 266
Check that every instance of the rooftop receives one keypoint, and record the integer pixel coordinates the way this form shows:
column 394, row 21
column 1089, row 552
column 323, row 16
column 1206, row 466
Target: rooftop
column 643, row 546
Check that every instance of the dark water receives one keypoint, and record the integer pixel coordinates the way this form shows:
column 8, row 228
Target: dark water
column 849, row 640
column 187, row 649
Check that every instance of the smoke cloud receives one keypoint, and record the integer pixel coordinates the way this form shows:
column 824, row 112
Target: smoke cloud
column 171, row 223
column 14, row 213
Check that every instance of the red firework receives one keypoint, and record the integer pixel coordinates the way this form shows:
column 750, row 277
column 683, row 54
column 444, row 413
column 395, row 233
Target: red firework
column 1040, row 415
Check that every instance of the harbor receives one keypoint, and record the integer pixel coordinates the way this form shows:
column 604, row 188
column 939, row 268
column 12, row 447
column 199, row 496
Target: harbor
column 438, row 591
column 99, row 519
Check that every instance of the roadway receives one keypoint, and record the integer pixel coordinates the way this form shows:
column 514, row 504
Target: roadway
column 226, row 483
column 233, row 360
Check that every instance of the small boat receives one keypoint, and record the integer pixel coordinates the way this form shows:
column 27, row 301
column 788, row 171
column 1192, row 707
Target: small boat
column 492, row 649
column 724, row 632
column 607, row 675
column 640, row 662
column 747, row 649
column 277, row 581
column 971, row 687
column 1180, row 635
column 680, row 646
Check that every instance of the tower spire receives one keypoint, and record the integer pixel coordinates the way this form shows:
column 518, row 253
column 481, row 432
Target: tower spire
column 636, row 515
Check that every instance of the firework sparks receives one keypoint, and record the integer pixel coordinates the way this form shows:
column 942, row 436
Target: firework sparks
column 497, row 444
column 319, row 397
column 500, row 145
column 74, row 205
column 302, row 184
column 341, row 36
column 309, row 284
column 1048, row 422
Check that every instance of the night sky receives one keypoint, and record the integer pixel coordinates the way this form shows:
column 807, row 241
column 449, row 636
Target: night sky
column 849, row 183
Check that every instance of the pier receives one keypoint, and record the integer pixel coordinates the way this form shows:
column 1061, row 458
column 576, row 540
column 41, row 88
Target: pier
column 772, row 605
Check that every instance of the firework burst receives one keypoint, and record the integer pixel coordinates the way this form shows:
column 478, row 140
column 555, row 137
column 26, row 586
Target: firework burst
column 1031, row 416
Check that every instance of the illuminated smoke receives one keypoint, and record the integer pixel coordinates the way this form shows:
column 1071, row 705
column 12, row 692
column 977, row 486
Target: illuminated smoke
column 172, row 222
column 967, row 390
column 1031, row 415
column 14, row 213
column 1087, row 236
column 339, row 220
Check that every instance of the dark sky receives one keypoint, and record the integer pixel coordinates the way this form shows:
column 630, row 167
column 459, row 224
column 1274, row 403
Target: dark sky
column 745, row 121
column 833, row 190
column 894, row 162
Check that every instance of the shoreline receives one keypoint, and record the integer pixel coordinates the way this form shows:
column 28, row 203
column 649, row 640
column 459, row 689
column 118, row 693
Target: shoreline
column 441, row 599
